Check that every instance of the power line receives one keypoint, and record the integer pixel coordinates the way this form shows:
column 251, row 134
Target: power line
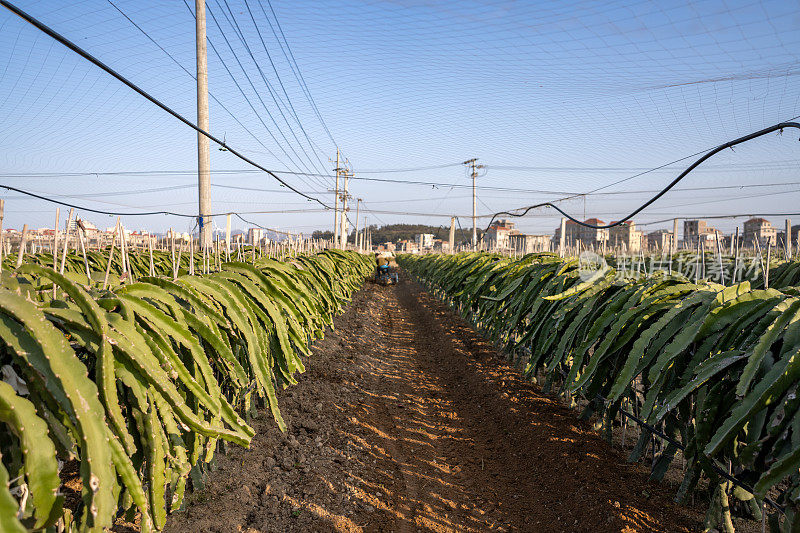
column 416, row 169
column 258, row 95
column 296, row 70
column 776, row 127
column 273, row 94
column 738, row 215
column 757, row 165
column 280, row 82
column 407, row 182
column 89, row 57
column 193, row 76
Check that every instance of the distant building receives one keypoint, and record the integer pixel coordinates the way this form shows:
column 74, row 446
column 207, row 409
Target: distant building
column 696, row 232
column 576, row 234
column 592, row 238
column 625, row 237
column 526, row 244
column 571, row 235
column 424, row 240
column 497, row 235
column 659, row 240
column 255, row 235
column 795, row 239
column 406, row 246
column 759, row 230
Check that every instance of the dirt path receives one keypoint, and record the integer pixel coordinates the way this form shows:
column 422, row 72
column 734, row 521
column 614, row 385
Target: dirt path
column 407, row 421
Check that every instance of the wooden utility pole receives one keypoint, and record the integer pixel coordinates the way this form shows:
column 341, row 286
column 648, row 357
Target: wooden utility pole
column 203, row 149
column 474, row 173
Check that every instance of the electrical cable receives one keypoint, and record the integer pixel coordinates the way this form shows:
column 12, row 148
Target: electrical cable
column 194, row 77
column 776, row 127
column 253, row 87
column 716, row 217
column 262, row 227
column 89, row 57
column 273, row 94
column 280, row 82
column 296, row 70
column 416, row 169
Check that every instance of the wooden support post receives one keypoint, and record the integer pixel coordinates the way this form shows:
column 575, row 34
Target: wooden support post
column 228, row 237
column 2, row 213
column 22, row 243
column 719, row 255
column 735, row 252
column 110, row 255
column 83, row 252
column 55, row 243
column 172, row 252
column 788, row 239
column 150, row 248
column 178, row 263
column 766, row 274
column 191, row 255
column 66, row 240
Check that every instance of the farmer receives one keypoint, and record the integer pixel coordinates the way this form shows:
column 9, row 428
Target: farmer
column 382, row 261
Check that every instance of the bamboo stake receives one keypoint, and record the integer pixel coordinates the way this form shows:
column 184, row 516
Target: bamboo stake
column 22, row 242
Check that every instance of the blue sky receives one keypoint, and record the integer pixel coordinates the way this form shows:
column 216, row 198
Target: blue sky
column 582, row 94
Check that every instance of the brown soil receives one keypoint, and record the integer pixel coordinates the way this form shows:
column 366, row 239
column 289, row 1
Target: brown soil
column 408, row 421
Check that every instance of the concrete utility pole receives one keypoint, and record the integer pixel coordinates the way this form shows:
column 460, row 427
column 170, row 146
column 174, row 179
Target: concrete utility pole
column 452, row 235
column 358, row 208
column 336, row 204
column 675, row 236
column 343, row 232
column 203, row 150
column 563, row 237
column 228, row 235
column 474, row 173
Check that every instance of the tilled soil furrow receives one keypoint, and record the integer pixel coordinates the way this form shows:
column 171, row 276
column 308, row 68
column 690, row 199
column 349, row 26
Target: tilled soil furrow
column 408, row 421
